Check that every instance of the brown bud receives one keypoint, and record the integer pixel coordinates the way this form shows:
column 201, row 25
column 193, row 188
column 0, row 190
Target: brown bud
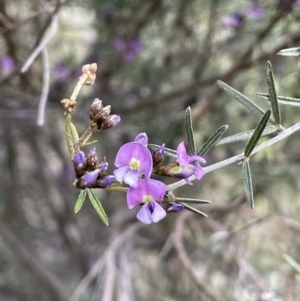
column 89, row 71
column 68, row 104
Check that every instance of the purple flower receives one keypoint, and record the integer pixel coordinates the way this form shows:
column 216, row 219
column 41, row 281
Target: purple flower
column 255, row 11
column 233, row 20
column 133, row 161
column 7, row 64
column 183, row 159
column 147, row 193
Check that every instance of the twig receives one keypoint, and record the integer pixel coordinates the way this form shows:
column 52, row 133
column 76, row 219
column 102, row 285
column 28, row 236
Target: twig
column 45, row 90
column 188, row 265
column 282, row 135
column 41, row 46
column 99, row 264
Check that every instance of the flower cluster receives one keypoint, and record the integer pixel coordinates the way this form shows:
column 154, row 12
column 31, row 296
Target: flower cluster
column 135, row 164
column 88, row 173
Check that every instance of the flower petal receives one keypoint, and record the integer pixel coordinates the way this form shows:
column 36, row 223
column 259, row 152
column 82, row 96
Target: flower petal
column 199, row 172
column 142, row 138
column 120, row 173
column 144, row 214
column 158, row 212
column 196, row 158
column 132, row 178
column 182, row 157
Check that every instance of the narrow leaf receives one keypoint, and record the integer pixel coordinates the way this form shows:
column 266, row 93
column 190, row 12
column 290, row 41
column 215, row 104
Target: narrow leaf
column 248, row 183
column 246, row 135
column 192, row 201
column 168, row 151
column 89, row 143
column 292, row 262
column 273, row 93
column 80, row 200
column 192, row 209
column 189, row 131
column 257, row 134
column 74, row 132
column 212, row 140
column 295, row 51
column 87, row 138
column 97, row 206
column 245, row 101
column 289, row 101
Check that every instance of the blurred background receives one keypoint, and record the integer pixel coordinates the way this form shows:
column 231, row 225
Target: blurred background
column 155, row 58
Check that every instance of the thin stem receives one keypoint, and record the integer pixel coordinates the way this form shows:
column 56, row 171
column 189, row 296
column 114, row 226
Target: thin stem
column 282, row 135
column 83, row 138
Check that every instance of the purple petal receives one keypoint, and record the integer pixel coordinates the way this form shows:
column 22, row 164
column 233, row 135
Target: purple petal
column 158, row 212
column 132, row 178
column 199, row 172
column 120, row 173
column 196, row 158
column 90, row 177
column 182, row 157
column 183, row 171
column 79, row 158
column 142, row 138
column 108, row 180
column 144, row 215
column 176, row 207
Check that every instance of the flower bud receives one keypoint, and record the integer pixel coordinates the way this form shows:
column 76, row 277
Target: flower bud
column 90, row 177
column 92, row 159
column 110, row 121
column 108, row 180
column 96, row 108
column 176, row 207
column 158, row 156
column 79, row 163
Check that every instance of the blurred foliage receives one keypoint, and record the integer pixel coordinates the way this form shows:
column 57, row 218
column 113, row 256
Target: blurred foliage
column 155, row 58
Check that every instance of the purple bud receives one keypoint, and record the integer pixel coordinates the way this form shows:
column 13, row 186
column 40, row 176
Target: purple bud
column 90, row 177
column 108, row 180
column 106, row 110
column 176, row 207
column 103, row 166
column 142, row 138
column 110, row 121
column 79, row 163
column 158, row 155
column 79, row 159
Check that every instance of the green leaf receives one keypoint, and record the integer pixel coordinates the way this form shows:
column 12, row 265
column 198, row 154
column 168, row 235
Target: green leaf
column 168, row 151
column 295, row 51
column 289, row 101
column 74, row 132
column 192, row 201
column 257, row 134
column 245, row 101
column 192, row 209
column 80, row 200
column 212, row 140
column 246, row 135
column 292, row 262
column 97, row 206
column 273, row 93
column 189, row 131
column 248, row 183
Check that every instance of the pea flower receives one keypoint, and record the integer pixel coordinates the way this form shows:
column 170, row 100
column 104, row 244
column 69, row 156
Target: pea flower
column 134, row 161
column 184, row 160
column 146, row 194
